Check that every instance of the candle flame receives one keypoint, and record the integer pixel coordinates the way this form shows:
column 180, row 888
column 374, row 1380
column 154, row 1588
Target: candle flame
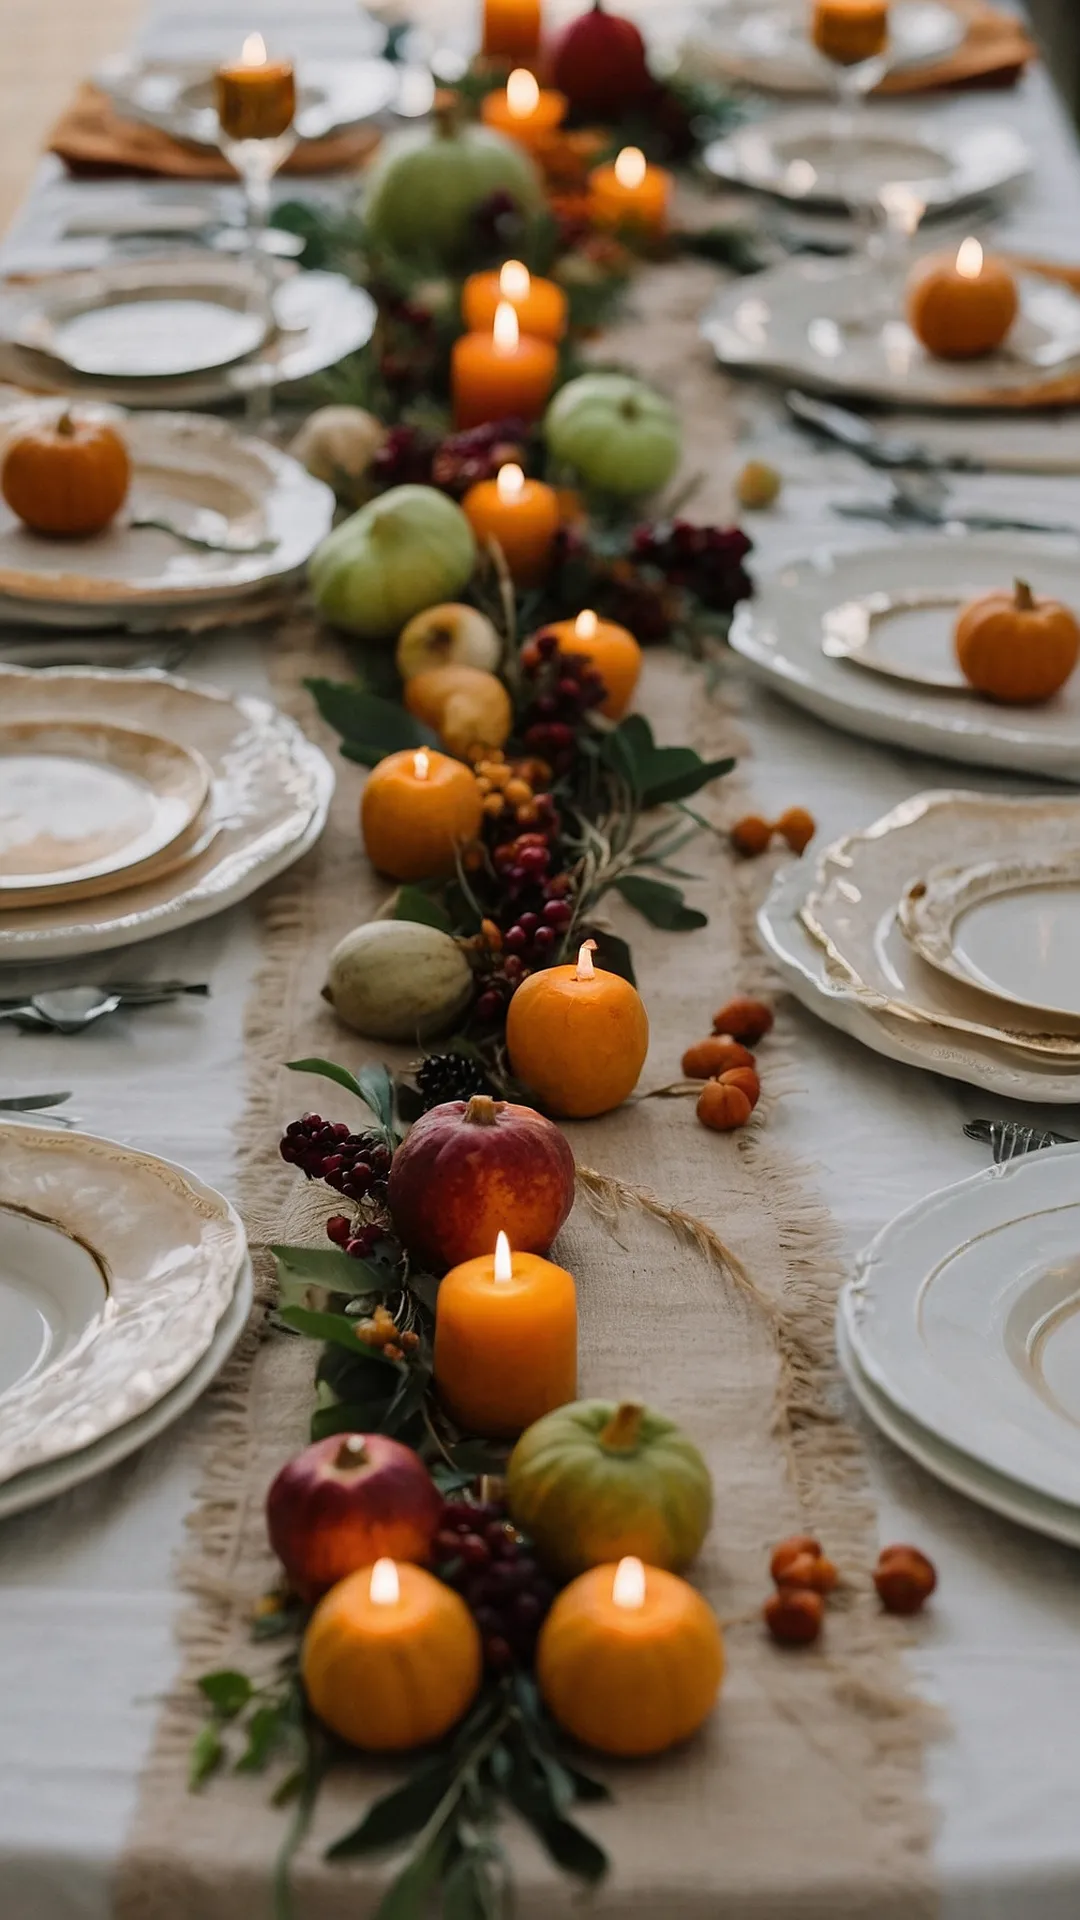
column 509, row 482
column 630, row 167
column 585, row 969
column 522, row 94
column 585, row 625
column 969, row 260
column 628, row 1586
column 505, row 332
column 514, row 281
column 421, row 763
column 504, row 1263
column 253, row 51
column 385, row 1587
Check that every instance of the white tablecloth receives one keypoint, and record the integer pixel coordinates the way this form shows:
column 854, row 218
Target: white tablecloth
column 87, row 1602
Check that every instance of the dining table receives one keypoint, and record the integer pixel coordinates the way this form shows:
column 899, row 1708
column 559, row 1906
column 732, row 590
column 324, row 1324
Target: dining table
column 90, row 1594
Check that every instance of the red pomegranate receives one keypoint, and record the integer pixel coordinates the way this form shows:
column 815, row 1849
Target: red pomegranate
column 344, row 1503
column 599, row 62
column 469, row 1169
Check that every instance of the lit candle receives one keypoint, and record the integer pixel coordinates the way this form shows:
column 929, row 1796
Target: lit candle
column 256, row 97
column 630, row 193
column 577, row 1037
column 505, row 1341
column 630, row 1659
column 524, row 516
column 511, row 29
column 613, row 651
column 962, row 307
column 391, row 1658
column 850, row 31
column 418, row 808
column 540, row 305
column 501, row 375
column 525, row 111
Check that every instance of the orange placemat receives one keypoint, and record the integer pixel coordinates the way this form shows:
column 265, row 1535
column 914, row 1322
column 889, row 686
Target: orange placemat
column 91, row 138
column 993, row 53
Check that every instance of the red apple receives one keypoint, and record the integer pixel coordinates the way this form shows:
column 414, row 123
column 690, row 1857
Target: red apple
column 346, row 1501
column 470, row 1168
column 599, row 62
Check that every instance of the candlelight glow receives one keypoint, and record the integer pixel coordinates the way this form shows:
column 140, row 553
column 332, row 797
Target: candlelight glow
column 585, row 625
column 630, row 167
column 514, row 281
column 969, row 260
column 522, row 93
column 421, row 763
column 508, row 483
column 385, row 1587
column 253, row 51
column 585, row 968
column 504, row 1264
column 505, row 332
column 628, row 1586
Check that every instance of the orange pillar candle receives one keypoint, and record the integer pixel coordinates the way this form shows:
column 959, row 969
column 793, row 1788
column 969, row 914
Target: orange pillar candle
column 577, row 1037
column 962, row 307
column 505, row 1341
column 612, row 650
column 511, row 29
column 630, row 1659
column 540, row 305
column 524, row 516
column 256, row 97
column 524, row 110
column 849, row 31
column 417, row 809
column 630, row 193
column 501, row 375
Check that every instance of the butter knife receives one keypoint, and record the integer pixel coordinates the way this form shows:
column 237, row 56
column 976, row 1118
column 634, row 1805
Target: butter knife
column 889, row 450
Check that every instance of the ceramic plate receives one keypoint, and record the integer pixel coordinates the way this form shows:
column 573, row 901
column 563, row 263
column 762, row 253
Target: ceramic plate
column 838, row 326
column 800, row 961
column 330, row 95
column 196, row 474
column 81, row 801
column 271, row 791
column 115, row 1269
column 768, row 45
column 781, row 631
column 146, row 337
column 965, row 1312
column 906, row 635
column 1007, row 926
column 804, row 156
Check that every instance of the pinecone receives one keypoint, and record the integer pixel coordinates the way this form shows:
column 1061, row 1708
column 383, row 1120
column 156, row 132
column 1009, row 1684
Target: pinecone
column 450, row 1076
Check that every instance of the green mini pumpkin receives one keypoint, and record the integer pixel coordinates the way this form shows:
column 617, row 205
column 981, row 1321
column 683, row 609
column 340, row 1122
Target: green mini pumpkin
column 594, row 1481
column 618, row 435
column 406, row 550
column 424, row 187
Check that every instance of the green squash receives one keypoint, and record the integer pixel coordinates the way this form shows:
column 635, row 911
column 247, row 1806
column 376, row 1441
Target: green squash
column 424, row 187
column 594, row 1481
column 406, row 550
column 618, row 435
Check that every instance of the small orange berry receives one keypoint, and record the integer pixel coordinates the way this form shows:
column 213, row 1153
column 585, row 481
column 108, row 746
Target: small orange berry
column 904, row 1578
column 492, row 935
column 722, row 1108
column 811, row 1570
column 493, row 805
column 747, row 1020
column 791, row 1549
column 714, row 1056
column 518, row 793
column 794, row 1616
column 797, row 827
column 745, row 1079
column 751, row 835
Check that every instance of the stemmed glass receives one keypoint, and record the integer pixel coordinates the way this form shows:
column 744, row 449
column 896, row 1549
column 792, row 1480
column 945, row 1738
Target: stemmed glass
column 853, row 36
column 256, row 105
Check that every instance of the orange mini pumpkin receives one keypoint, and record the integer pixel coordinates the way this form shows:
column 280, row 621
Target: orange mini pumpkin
column 577, row 1038
column 66, row 477
column 1015, row 648
column 611, row 649
column 961, row 306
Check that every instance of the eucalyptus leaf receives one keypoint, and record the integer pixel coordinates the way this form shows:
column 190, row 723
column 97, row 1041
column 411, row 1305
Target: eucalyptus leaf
column 207, row 1754
column 337, row 1330
column 327, row 1268
column 673, row 773
column 376, row 1086
column 328, row 1070
column 367, row 723
column 228, row 1692
column 407, row 1897
column 398, row 1815
column 660, row 904
column 467, row 1892
column 567, row 1844
column 266, row 1731
column 413, row 903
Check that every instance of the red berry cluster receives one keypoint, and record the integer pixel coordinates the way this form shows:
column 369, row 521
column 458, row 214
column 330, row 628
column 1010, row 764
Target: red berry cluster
column 355, row 1164
column 481, row 1554
column 704, row 561
column 465, row 458
column 354, row 1239
column 562, row 689
column 404, row 459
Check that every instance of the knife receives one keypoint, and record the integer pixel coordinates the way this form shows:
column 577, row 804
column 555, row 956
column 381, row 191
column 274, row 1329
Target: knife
column 889, row 451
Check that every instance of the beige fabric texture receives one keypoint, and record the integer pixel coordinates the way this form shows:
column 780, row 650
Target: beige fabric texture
column 805, row 1795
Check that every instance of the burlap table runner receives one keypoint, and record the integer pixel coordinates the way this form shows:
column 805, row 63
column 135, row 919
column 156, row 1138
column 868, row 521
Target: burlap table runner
column 805, row 1796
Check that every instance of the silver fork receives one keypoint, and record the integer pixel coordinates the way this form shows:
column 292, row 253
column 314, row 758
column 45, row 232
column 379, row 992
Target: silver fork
column 1007, row 1138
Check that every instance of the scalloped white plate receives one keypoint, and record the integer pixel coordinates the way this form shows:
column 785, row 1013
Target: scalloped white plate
column 801, row 156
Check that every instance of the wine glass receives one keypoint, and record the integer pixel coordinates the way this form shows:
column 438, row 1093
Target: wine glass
column 853, row 37
column 256, row 105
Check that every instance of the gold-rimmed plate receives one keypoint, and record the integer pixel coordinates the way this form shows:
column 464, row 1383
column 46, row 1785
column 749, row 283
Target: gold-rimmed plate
column 1005, row 926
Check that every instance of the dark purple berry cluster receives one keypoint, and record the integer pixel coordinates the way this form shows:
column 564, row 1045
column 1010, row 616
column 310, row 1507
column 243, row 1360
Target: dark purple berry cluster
column 354, row 1164
column 463, row 459
column 562, row 689
column 704, row 561
column 481, row 1554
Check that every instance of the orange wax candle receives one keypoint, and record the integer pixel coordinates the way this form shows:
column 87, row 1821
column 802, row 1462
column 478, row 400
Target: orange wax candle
column 961, row 307
column 417, row 809
column 256, row 97
column 849, row 31
column 630, row 1659
column 630, row 193
column 511, row 29
column 577, row 1037
column 505, row 1341
column 539, row 304
column 524, row 516
column 501, row 375
column 613, row 651
column 525, row 111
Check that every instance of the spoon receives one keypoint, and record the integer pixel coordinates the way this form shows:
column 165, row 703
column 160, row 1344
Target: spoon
column 65, row 1009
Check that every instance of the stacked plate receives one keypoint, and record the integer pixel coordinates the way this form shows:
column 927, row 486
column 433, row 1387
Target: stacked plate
column 946, row 936
column 769, row 46
column 960, row 1335
column 132, row 804
column 124, row 1285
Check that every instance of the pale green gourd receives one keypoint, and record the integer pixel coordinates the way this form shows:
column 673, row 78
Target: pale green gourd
column 618, row 435
column 424, row 187
column 398, row 980
column 404, row 551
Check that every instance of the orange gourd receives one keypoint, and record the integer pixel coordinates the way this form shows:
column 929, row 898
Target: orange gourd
column 66, row 477
column 390, row 1677
column 1015, row 648
column 959, row 315
column 466, row 706
column 611, row 649
column 577, row 1038
column 414, row 828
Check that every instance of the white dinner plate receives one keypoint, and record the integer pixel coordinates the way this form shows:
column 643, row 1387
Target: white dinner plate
column 331, row 95
column 838, row 326
column 780, row 633
column 768, row 45
column 804, row 156
column 146, row 337
column 965, row 1312
column 1009, row 925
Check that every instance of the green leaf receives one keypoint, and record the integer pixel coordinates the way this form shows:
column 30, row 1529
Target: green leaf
column 207, row 1754
column 228, row 1692
column 368, row 724
column 327, row 1268
column 613, row 955
column 397, row 1815
column 660, row 904
column 407, row 1897
column 566, row 1843
column 266, row 1730
column 335, row 1328
column 349, row 1416
column 328, row 1070
column 413, row 903
column 467, row 1892
column 674, row 772
column 376, row 1086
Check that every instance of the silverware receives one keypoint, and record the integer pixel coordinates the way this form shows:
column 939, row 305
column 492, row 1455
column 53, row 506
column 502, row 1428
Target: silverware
column 918, row 502
column 889, row 450
column 1007, row 1138
column 131, row 992
column 73, row 1009
column 205, row 529
column 39, row 1104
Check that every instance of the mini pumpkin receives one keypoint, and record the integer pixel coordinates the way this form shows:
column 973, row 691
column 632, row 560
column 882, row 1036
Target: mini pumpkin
column 959, row 314
column 1016, row 648
column 66, row 477
column 466, row 706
